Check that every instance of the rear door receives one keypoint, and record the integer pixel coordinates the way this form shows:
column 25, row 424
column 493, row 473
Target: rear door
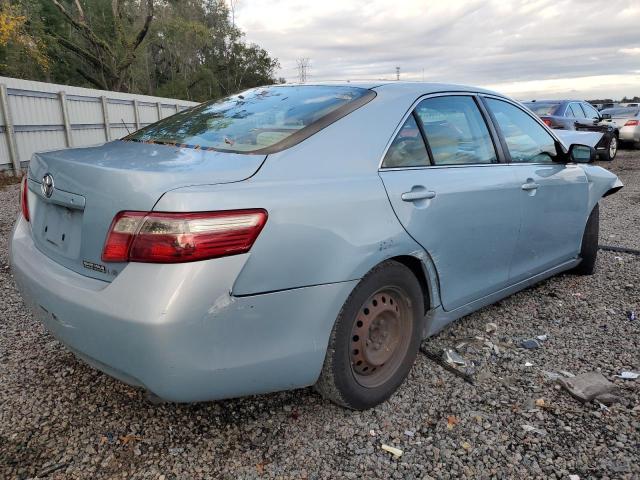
column 553, row 195
column 454, row 196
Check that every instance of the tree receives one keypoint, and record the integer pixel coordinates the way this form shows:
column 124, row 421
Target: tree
column 106, row 60
column 17, row 43
column 189, row 49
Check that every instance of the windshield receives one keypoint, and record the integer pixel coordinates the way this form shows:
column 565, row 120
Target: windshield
column 542, row 108
column 621, row 112
column 256, row 119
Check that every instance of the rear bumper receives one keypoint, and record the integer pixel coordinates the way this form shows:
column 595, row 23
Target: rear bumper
column 629, row 134
column 176, row 330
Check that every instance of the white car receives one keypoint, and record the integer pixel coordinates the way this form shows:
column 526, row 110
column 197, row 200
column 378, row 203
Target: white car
column 628, row 121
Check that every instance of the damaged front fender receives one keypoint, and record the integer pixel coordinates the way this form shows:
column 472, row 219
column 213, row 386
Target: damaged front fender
column 602, row 183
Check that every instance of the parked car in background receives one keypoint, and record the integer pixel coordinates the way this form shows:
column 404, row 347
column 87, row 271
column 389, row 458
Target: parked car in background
column 296, row 235
column 577, row 115
column 602, row 106
column 630, row 104
column 627, row 120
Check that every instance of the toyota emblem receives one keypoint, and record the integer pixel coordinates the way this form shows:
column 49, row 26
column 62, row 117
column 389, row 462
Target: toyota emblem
column 47, row 185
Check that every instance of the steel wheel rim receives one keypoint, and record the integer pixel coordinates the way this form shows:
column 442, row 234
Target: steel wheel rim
column 613, row 147
column 380, row 337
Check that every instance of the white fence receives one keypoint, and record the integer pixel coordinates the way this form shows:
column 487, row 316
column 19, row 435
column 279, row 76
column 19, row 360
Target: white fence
column 39, row 116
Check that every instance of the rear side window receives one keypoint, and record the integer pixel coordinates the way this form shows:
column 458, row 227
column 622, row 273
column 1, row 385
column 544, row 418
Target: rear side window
column 527, row 140
column 258, row 120
column 575, row 111
column 455, row 130
column 408, row 148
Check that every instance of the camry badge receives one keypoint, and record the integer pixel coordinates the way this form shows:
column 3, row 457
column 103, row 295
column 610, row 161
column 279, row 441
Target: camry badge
column 47, row 185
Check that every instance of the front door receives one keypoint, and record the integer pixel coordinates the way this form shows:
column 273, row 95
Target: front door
column 553, row 196
column 454, row 196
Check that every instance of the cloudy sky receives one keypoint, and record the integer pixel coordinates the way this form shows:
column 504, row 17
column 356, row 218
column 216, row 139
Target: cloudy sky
column 551, row 48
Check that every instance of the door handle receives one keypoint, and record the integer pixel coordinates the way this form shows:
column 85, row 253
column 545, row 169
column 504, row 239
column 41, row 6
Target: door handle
column 415, row 195
column 530, row 186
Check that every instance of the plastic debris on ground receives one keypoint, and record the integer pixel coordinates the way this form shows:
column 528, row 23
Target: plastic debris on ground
column 530, row 428
column 396, row 452
column 453, row 358
column 591, row 386
column 628, row 375
column 530, row 344
column 542, row 338
column 490, row 327
column 631, row 315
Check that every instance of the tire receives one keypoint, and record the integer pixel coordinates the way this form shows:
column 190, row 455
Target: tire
column 589, row 249
column 375, row 339
column 612, row 149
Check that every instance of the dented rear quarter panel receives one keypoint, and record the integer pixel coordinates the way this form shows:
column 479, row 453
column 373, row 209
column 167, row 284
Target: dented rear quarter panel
column 330, row 219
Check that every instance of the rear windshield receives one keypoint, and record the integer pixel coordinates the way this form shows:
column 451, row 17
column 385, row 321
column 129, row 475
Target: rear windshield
column 259, row 120
column 621, row 112
column 542, row 108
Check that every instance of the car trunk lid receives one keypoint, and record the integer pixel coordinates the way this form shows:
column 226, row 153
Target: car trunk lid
column 91, row 185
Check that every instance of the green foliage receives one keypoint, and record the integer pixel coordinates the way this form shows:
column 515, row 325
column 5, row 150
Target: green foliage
column 186, row 49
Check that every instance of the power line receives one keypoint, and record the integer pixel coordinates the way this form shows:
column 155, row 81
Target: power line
column 304, row 65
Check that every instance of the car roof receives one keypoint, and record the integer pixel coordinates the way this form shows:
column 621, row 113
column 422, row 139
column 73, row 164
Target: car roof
column 420, row 88
column 558, row 102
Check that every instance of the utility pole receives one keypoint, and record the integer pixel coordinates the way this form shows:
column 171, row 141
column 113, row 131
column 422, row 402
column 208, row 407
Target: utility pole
column 397, row 73
column 303, row 69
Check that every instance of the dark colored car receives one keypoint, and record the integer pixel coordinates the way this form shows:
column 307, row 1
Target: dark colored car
column 578, row 115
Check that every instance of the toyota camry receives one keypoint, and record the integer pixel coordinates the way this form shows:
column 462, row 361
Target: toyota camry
column 299, row 235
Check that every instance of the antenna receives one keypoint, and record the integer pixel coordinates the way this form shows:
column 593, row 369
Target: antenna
column 125, row 126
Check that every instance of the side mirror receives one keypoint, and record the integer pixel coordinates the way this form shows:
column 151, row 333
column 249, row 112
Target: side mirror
column 581, row 153
column 606, row 116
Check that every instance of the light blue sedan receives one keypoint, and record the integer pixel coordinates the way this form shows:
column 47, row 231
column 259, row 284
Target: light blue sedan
column 299, row 235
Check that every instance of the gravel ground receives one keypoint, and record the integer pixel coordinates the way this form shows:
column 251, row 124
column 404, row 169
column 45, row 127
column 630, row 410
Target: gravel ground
column 61, row 419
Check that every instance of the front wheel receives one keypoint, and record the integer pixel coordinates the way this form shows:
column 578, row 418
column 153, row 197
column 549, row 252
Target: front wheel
column 589, row 249
column 611, row 151
column 375, row 339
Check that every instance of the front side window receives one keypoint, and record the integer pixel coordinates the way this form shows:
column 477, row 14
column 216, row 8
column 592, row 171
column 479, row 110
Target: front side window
column 408, row 148
column 527, row 140
column 253, row 120
column 455, row 130
column 590, row 111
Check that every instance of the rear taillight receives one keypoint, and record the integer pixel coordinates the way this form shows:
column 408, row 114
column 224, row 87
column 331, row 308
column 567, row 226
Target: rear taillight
column 547, row 122
column 24, row 198
column 157, row 237
column 631, row 123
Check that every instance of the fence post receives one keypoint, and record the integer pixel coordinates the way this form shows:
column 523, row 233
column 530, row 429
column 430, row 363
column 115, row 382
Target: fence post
column 176, row 105
column 8, row 129
column 65, row 119
column 159, row 105
column 105, row 117
column 136, row 113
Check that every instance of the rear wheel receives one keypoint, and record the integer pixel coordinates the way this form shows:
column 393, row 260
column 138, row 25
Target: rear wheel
column 589, row 249
column 375, row 339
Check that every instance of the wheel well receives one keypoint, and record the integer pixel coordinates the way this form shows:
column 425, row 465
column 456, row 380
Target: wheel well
column 415, row 265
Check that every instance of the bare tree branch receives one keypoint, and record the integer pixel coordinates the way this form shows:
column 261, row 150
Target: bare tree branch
column 145, row 27
column 80, row 11
column 83, row 28
column 94, row 81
